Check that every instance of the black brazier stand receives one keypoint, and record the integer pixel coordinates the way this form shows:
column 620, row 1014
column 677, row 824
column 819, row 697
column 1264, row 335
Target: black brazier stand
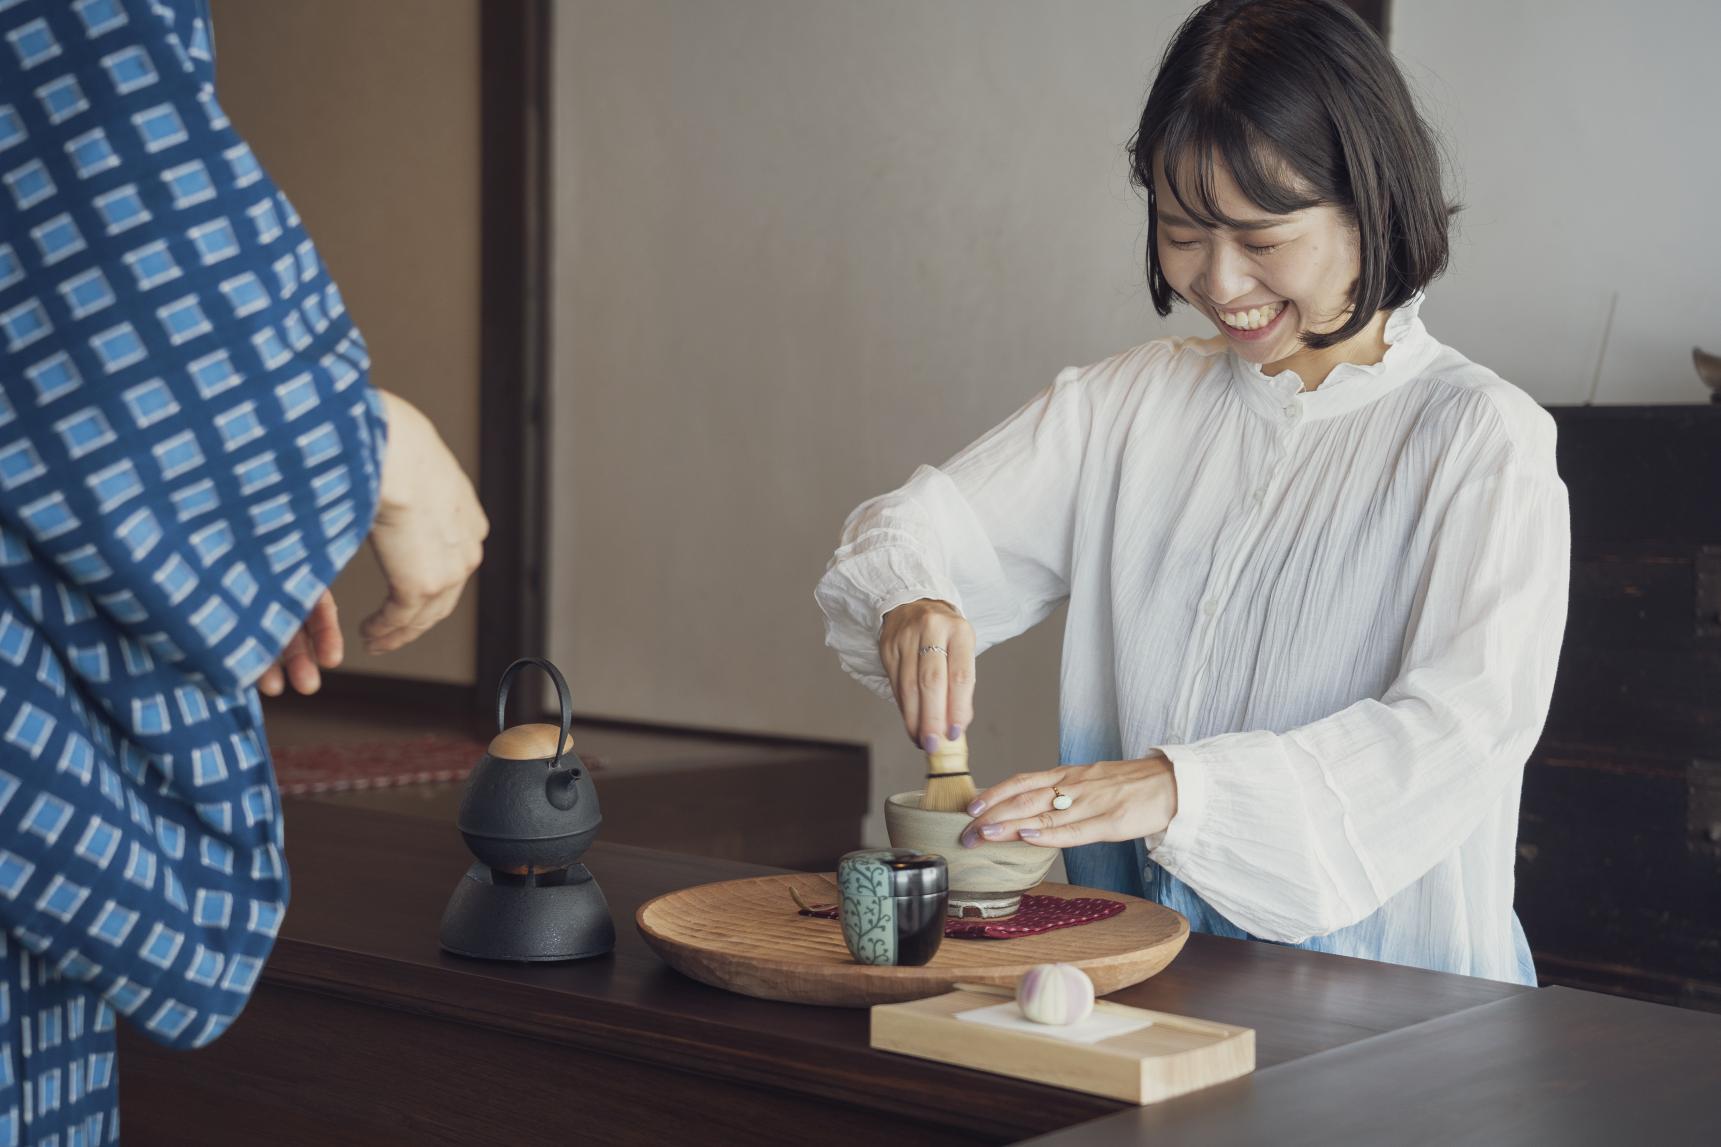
column 529, row 813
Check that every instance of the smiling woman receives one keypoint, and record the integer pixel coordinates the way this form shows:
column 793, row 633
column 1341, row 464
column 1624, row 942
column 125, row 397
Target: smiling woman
column 1294, row 191
column 1276, row 287
column 1271, row 115
column 1316, row 566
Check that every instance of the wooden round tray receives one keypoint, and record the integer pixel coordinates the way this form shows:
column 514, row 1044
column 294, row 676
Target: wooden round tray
column 747, row 936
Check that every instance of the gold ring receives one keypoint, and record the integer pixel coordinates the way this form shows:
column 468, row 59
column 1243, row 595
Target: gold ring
column 1061, row 800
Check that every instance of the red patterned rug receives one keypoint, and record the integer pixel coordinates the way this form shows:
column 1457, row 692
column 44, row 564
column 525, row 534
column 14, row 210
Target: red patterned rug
column 375, row 764
column 437, row 758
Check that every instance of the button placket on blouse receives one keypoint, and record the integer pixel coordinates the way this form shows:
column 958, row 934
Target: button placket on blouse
column 1207, row 611
column 1226, row 567
column 1293, row 418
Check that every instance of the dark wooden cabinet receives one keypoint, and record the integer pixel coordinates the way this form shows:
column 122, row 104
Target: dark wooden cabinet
column 1619, row 865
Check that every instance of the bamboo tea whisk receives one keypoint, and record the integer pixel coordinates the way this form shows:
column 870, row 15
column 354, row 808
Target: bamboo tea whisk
column 949, row 788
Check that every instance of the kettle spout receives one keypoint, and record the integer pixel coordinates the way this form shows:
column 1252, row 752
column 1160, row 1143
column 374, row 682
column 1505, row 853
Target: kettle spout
column 562, row 787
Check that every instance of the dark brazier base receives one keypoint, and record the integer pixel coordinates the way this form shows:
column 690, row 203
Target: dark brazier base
column 564, row 918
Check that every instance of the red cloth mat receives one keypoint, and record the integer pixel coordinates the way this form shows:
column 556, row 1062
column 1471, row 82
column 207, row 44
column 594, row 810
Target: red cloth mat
column 1036, row 915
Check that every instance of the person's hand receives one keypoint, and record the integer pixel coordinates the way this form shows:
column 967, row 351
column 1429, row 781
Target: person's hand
column 928, row 653
column 317, row 645
column 1109, row 800
column 429, row 530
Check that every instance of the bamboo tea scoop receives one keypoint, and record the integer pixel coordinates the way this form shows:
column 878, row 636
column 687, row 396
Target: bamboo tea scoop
column 949, row 788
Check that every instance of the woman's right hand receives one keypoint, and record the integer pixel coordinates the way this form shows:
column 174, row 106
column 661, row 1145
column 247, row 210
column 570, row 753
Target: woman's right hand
column 928, row 653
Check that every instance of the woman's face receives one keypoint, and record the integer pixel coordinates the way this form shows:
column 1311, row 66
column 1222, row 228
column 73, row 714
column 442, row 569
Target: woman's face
column 1263, row 284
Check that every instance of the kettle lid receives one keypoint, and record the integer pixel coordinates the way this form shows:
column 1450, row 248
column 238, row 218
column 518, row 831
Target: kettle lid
column 534, row 742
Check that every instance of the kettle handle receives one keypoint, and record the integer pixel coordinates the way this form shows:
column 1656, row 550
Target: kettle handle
column 564, row 703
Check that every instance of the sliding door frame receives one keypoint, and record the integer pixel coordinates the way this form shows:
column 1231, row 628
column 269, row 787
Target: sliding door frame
column 514, row 46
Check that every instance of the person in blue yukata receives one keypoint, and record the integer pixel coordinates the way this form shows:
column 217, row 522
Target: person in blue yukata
column 190, row 450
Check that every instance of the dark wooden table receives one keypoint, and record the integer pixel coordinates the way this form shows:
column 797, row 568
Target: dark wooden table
column 362, row 1031
column 1557, row 1067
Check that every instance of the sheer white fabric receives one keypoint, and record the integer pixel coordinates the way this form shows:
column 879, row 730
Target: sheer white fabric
column 1338, row 613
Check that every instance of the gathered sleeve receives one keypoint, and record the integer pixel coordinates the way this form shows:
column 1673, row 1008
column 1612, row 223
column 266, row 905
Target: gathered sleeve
column 189, row 452
column 991, row 532
column 1300, row 833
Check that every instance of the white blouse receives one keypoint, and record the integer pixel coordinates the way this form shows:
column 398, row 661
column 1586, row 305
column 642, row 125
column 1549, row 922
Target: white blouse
column 1337, row 613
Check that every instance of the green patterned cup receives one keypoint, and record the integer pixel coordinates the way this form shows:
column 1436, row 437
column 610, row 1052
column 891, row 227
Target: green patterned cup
column 893, row 904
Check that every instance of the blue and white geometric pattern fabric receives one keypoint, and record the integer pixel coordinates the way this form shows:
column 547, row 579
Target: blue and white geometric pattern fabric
column 189, row 452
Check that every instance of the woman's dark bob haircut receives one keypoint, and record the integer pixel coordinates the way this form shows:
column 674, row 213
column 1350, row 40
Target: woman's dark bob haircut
column 1302, row 103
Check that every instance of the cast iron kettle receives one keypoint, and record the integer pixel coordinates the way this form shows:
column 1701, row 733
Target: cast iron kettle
column 529, row 813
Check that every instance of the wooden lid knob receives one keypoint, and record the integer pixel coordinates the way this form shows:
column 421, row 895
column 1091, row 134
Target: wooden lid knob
column 528, row 743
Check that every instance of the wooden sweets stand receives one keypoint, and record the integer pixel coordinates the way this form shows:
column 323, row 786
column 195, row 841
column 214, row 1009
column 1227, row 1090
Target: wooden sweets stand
column 1171, row 1055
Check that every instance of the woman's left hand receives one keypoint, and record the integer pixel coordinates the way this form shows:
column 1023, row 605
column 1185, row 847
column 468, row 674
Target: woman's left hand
column 1109, row 800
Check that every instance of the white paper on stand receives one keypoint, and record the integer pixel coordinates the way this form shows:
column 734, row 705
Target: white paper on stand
column 1099, row 1024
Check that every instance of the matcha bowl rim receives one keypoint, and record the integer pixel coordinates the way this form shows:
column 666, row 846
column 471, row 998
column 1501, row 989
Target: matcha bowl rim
column 987, row 880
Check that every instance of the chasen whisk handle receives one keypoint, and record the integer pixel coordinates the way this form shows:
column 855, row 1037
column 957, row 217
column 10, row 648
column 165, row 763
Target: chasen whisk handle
column 950, row 759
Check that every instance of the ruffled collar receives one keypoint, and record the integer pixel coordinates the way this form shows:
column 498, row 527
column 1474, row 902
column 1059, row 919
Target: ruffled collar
column 1350, row 385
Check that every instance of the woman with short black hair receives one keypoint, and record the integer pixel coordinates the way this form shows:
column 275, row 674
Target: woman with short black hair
column 1316, row 566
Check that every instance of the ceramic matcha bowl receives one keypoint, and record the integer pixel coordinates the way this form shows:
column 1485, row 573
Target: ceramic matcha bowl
column 987, row 880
